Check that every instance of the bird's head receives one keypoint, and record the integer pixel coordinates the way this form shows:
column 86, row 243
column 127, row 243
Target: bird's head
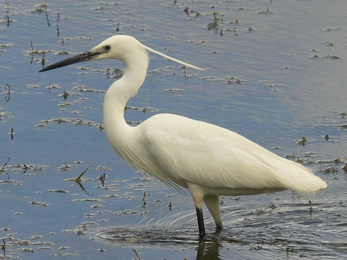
column 119, row 47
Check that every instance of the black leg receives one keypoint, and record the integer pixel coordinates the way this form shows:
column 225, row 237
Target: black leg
column 201, row 224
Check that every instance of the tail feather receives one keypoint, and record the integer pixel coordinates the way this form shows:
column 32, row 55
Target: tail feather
column 302, row 180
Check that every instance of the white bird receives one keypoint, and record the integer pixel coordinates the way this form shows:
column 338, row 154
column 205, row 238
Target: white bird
column 208, row 160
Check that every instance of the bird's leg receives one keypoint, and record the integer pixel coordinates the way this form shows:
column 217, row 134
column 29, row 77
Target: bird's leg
column 201, row 224
column 198, row 194
column 212, row 203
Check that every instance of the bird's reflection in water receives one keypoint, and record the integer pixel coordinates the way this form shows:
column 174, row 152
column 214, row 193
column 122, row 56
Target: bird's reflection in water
column 208, row 251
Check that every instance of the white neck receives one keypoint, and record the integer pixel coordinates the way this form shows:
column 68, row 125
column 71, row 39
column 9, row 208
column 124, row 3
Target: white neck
column 116, row 128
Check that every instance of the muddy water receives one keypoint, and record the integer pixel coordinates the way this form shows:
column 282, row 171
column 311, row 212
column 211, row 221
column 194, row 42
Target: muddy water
column 275, row 74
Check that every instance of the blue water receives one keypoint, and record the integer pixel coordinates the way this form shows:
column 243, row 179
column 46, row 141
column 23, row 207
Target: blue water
column 275, row 72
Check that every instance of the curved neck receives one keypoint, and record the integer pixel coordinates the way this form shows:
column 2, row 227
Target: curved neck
column 117, row 96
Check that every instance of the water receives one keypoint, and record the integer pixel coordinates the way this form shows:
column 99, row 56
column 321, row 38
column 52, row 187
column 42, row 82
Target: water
column 276, row 75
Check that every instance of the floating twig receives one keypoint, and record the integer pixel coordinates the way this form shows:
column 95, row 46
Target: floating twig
column 7, row 17
column 3, row 168
column 78, row 179
column 8, row 87
column 43, row 59
column 3, row 247
column 102, row 178
column 49, row 25
column 80, row 184
column 273, row 206
column 345, row 168
column 65, row 95
column 303, row 141
column 25, row 168
column 144, row 200
column 32, row 52
column 100, row 126
column 58, row 17
column 216, row 23
column 136, row 254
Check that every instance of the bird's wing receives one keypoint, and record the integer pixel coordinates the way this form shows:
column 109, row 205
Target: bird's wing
column 215, row 157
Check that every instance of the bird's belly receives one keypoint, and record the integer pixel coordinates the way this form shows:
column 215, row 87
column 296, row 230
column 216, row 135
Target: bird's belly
column 239, row 191
column 228, row 191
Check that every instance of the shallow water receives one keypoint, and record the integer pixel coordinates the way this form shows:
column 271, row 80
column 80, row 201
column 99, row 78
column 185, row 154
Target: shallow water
column 275, row 74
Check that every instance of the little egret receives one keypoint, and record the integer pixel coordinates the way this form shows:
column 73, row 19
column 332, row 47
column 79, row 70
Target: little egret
column 208, row 160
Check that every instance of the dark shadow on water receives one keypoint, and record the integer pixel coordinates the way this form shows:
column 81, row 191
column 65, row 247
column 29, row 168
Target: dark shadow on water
column 147, row 236
column 207, row 250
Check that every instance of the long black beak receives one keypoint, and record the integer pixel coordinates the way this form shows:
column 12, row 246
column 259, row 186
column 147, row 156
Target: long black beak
column 85, row 56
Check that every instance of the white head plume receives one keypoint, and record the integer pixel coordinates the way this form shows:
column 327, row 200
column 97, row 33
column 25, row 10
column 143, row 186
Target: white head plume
column 172, row 59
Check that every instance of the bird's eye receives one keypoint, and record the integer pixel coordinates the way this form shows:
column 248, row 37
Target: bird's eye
column 107, row 47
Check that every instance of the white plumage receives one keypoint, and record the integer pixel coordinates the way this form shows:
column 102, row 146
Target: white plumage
column 206, row 159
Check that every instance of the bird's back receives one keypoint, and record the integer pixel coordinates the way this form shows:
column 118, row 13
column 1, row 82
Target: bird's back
column 184, row 150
